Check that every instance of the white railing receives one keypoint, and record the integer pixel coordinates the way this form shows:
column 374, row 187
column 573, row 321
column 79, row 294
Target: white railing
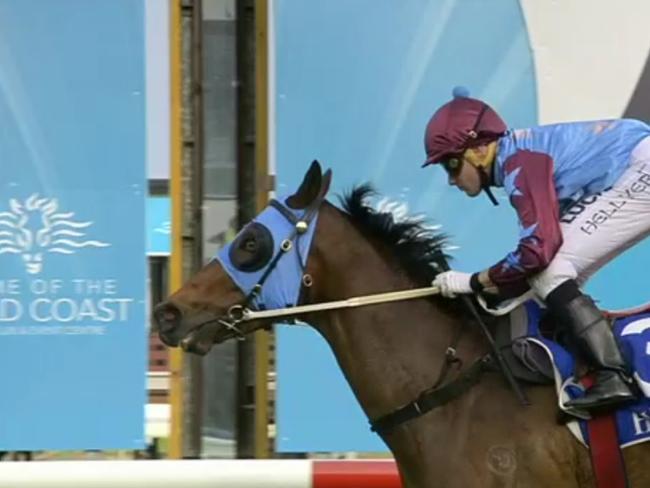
column 199, row 474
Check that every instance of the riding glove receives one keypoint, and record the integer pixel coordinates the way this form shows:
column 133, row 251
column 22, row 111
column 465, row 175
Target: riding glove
column 452, row 283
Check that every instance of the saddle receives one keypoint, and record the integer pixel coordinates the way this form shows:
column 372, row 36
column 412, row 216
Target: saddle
column 528, row 361
column 537, row 353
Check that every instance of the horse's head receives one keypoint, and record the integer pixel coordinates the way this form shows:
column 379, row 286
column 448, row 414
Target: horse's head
column 263, row 267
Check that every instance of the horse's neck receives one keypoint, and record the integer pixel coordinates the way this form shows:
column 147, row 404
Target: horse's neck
column 389, row 353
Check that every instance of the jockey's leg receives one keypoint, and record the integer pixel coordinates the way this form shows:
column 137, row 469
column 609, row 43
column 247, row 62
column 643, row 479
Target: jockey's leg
column 591, row 333
column 596, row 230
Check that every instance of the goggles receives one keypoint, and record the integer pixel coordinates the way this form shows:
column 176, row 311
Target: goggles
column 452, row 164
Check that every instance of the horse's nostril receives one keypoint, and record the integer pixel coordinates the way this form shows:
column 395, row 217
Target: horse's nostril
column 167, row 317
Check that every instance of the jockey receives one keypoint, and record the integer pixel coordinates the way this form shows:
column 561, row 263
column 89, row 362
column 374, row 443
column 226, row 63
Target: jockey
column 581, row 191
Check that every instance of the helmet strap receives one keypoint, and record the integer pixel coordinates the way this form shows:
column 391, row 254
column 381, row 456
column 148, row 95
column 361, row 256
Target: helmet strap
column 485, row 185
column 490, row 195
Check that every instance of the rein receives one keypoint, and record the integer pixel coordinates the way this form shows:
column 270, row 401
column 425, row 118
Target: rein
column 238, row 313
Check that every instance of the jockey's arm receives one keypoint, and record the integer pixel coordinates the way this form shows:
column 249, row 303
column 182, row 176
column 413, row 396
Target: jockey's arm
column 528, row 180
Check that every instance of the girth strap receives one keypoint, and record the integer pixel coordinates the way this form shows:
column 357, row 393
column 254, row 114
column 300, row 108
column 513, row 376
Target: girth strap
column 435, row 397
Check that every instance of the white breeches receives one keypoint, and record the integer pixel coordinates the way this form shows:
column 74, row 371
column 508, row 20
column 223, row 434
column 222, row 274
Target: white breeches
column 598, row 228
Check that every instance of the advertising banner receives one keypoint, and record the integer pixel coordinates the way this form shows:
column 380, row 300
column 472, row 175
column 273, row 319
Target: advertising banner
column 72, row 225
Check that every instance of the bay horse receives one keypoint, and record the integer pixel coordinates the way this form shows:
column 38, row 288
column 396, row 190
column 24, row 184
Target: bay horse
column 388, row 352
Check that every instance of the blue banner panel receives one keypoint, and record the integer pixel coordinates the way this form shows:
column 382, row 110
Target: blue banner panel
column 72, row 225
column 356, row 83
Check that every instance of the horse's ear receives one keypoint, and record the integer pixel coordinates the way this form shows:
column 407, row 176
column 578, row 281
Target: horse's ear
column 313, row 186
column 326, row 180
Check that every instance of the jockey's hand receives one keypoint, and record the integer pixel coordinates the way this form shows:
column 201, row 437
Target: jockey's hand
column 452, row 283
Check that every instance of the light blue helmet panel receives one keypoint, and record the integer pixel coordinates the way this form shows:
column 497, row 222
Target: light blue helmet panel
column 282, row 287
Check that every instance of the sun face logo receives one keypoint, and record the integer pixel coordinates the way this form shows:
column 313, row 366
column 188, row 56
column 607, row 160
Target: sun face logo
column 36, row 227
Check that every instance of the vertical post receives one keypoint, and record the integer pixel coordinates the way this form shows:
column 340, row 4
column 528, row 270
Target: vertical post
column 175, row 450
column 262, row 337
column 192, row 170
column 247, row 206
column 253, row 186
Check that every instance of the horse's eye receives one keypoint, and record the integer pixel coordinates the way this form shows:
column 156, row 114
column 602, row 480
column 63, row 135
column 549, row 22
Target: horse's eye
column 253, row 248
column 250, row 245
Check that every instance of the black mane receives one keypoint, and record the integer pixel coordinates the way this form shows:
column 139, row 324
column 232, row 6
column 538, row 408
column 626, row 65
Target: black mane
column 418, row 248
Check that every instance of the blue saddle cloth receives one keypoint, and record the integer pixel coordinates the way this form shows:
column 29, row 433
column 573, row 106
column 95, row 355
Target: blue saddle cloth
column 633, row 335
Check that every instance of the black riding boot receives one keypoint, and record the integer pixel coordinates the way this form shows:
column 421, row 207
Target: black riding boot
column 591, row 333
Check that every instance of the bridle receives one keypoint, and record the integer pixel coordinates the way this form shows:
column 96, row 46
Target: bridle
column 240, row 313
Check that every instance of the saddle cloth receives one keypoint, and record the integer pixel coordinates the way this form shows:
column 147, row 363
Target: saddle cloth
column 541, row 360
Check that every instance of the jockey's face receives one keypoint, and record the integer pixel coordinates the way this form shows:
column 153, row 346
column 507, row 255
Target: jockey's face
column 465, row 176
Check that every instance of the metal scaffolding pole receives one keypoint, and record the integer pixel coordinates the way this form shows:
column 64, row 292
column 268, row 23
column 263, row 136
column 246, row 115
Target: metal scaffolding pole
column 192, row 112
column 252, row 362
column 175, row 450
column 186, row 193
column 245, row 426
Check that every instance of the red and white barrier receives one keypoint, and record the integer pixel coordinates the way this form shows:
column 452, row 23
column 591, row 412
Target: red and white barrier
column 200, row 474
